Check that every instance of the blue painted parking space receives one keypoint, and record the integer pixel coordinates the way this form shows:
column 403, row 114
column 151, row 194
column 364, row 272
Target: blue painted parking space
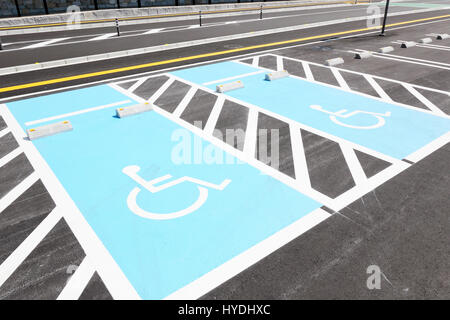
column 164, row 222
column 382, row 126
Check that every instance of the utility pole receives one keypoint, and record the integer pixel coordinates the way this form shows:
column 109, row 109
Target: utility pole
column 385, row 18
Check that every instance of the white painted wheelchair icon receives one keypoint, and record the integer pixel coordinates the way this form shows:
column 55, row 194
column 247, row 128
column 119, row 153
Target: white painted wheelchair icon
column 381, row 121
column 132, row 172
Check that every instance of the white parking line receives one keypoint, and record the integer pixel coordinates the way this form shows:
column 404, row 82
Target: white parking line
column 71, row 114
column 103, row 37
column 78, row 282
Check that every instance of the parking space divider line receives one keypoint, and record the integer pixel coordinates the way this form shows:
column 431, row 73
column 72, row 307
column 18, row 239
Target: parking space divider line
column 161, row 89
column 307, row 70
column 4, row 132
column 340, row 79
column 137, row 84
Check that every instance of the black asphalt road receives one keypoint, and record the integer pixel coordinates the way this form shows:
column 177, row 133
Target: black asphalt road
column 84, row 48
column 53, row 73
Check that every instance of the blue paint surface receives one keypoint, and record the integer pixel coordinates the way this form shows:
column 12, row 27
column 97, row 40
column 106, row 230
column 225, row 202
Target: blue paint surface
column 406, row 130
column 158, row 257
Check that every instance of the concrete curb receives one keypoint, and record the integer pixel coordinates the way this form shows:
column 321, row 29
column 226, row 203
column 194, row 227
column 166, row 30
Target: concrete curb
column 125, row 53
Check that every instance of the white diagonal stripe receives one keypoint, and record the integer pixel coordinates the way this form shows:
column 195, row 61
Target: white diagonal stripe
column 308, row 73
column 184, row 102
column 280, row 66
column 137, row 84
column 251, row 133
column 424, row 100
column 152, row 31
column 4, row 132
column 102, row 37
column 214, row 115
column 298, row 156
column 17, row 191
column 340, row 79
column 7, row 158
column 16, row 258
column 353, row 164
column 161, row 90
column 377, row 88
column 255, row 62
column 78, row 282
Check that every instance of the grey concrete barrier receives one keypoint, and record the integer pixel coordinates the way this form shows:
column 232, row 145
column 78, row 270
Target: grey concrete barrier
column 363, row 55
column 229, row 86
column 132, row 110
column 443, row 36
column 408, row 44
column 276, row 75
column 334, row 61
column 386, row 49
column 49, row 130
column 426, row 40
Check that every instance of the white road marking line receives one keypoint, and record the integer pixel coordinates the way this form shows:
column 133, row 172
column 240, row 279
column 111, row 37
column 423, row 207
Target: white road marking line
column 184, row 102
column 298, row 155
column 16, row 258
column 429, row 148
column 255, row 62
column 421, row 62
column 113, row 277
column 121, row 79
column 103, row 37
column 353, row 163
column 153, row 31
column 363, row 74
column 161, row 90
column 431, row 62
column 214, row 115
column 442, row 48
column 234, row 266
column 17, row 191
column 383, row 95
column 435, row 45
column 4, row 132
column 307, row 69
column 251, row 133
column 71, row 114
column 7, row 158
column 424, row 100
column 232, row 78
column 340, row 79
column 137, row 84
column 78, row 282
column 44, row 43
column 280, row 65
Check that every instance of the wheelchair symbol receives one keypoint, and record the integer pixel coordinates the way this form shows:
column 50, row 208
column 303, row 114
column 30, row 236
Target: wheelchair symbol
column 132, row 172
column 341, row 114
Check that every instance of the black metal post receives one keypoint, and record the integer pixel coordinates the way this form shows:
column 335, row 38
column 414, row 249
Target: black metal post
column 17, row 8
column 118, row 4
column 200, row 17
column 260, row 12
column 139, row 4
column 117, row 27
column 385, row 18
column 45, row 6
column 96, row 4
column 1, row 46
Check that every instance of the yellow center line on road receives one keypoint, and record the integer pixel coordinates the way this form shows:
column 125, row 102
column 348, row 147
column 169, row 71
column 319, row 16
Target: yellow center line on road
column 204, row 55
column 179, row 14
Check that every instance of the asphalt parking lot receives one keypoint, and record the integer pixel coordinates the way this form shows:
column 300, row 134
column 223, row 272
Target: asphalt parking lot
column 328, row 172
